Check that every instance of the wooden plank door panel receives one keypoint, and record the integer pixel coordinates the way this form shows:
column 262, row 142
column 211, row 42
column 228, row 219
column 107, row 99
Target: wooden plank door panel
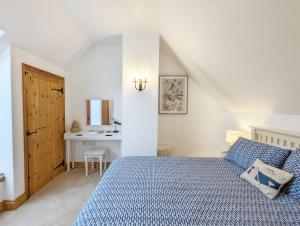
column 32, row 96
column 44, row 169
column 43, row 115
column 31, row 103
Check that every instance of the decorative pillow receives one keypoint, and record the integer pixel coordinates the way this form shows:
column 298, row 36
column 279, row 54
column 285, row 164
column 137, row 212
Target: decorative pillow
column 275, row 156
column 244, row 152
column 268, row 179
column 292, row 165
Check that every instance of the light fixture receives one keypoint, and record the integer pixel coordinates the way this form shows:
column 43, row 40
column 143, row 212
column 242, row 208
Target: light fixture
column 116, row 123
column 232, row 136
column 140, row 84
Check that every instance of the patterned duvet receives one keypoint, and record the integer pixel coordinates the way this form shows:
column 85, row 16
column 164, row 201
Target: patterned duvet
column 182, row 191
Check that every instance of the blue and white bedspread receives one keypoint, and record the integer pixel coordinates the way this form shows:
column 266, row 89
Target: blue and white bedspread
column 182, row 191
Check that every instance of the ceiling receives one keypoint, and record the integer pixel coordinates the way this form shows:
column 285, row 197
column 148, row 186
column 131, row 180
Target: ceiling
column 244, row 53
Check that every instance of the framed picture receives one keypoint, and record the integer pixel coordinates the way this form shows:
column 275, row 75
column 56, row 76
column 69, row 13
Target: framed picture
column 173, row 94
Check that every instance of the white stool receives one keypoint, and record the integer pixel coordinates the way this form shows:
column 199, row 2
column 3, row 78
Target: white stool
column 98, row 153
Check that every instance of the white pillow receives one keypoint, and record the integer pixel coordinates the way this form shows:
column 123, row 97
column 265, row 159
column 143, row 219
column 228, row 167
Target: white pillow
column 268, row 179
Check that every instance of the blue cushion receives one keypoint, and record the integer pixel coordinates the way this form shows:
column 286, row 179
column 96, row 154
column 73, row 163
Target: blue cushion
column 244, row 152
column 275, row 156
column 292, row 165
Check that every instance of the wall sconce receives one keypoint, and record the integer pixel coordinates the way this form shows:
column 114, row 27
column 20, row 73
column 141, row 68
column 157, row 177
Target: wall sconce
column 140, row 84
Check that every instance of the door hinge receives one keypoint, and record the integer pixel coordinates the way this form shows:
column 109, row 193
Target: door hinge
column 29, row 133
column 59, row 90
column 61, row 164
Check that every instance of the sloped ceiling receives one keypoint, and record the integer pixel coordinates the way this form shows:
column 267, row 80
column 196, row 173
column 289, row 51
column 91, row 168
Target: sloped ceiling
column 42, row 28
column 244, row 53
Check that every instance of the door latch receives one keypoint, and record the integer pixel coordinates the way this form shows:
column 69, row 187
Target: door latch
column 59, row 90
column 29, row 133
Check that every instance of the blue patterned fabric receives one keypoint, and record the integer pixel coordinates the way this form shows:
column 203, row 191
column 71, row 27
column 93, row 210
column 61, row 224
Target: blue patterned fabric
column 244, row 152
column 182, row 191
column 292, row 165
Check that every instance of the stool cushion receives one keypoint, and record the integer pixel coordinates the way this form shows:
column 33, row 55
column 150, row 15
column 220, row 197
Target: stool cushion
column 95, row 152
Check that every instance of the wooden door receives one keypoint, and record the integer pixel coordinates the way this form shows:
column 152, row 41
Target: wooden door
column 44, row 125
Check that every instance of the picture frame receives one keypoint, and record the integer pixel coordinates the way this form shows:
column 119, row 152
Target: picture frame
column 173, row 94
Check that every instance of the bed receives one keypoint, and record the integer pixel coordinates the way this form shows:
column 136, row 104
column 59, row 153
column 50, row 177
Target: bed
column 184, row 191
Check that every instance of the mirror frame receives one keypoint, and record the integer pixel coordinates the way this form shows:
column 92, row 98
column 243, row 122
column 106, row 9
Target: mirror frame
column 105, row 117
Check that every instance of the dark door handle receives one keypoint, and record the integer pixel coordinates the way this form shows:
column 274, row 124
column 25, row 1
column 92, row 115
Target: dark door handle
column 29, row 133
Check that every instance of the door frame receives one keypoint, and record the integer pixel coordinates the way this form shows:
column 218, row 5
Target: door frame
column 25, row 123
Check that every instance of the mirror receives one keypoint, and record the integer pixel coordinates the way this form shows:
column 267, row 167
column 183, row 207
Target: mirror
column 99, row 112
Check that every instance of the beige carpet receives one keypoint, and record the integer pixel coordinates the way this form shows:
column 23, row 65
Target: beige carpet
column 58, row 203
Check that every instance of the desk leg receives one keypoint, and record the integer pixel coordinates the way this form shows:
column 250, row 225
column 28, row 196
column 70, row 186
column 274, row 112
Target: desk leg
column 100, row 165
column 105, row 163
column 68, row 147
column 73, row 154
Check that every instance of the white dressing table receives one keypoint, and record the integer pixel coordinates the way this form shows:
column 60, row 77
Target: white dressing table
column 86, row 136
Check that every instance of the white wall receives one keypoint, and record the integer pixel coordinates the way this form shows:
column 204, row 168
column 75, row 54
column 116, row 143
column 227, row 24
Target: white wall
column 6, row 150
column 277, row 121
column 96, row 73
column 18, row 57
column 201, row 132
column 139, row 110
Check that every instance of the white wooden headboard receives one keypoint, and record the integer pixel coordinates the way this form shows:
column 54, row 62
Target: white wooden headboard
column 276, row 137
